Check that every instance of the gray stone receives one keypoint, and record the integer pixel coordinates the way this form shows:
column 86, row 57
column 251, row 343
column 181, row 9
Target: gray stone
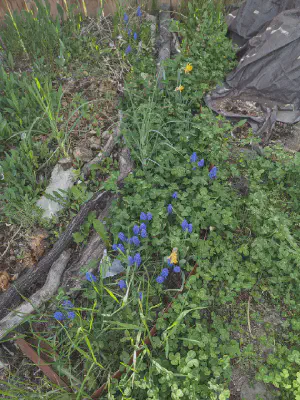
column 115, row 269
column 108, row 268
column 60, row 180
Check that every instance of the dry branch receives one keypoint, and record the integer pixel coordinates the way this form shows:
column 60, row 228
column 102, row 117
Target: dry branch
column 165, row 38
column 52, row 284
column 108, row 148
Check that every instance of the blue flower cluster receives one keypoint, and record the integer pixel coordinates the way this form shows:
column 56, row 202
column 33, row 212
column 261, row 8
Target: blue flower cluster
column 165, row 272
column 186, row 227
column 135, row 260
column 194, row 159
column 67, row 314
column 146, row 216
column 213, row 173
column 129, row 31
column 139, row 232
column 170, row 207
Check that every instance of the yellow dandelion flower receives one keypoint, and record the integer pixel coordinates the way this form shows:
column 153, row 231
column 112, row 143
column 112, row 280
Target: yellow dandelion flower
column 188, row 68
column 179, row 88
column 174, row 256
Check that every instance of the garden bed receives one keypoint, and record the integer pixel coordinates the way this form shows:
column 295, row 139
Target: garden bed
column 200, row 193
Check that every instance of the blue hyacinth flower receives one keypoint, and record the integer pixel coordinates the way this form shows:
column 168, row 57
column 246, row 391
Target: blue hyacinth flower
column 121, row 248
column 185, row 225
column 139, row 11
column 177, row 269
column 122, row 284
column 213, row 173
column 144, row 233
column 143, row 216
column 140, row 296
column 126, row 18
column 175, row 195
column 149, row 216
column 90, row 277
column 160, row 279
column 128, row 49
column 135, row 240
column 122, row 237
column 201, row 163
column 170, row 209
column 114, row 247
column 136, row 229
column 71, row 315
column 164, row 272
column 67, row 304
column 190, row 228
column 137, row 259
column 130, row 261
column 135, row 36
column 143, row 226
column 59, row 316
column 193, row 157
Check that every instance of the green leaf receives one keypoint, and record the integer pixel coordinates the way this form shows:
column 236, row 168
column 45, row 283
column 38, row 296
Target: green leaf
column 111, row 294
column 78, row 237
column 100, row 229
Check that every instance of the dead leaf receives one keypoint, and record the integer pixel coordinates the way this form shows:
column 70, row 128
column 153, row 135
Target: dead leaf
column 4, row 280
column 37, row 245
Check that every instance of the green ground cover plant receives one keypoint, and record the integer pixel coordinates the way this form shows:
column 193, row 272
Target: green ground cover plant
column 197, row 197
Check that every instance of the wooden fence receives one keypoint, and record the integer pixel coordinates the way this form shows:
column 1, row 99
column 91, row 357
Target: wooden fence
column 90, row 7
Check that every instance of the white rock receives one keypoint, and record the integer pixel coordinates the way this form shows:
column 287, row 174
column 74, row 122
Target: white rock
column 108, row 268
column 60, row 180
column 115, row 269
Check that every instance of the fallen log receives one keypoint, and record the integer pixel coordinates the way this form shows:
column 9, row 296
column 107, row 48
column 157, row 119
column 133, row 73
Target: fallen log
column 36, row 276
column 14, row 318
column 93, row 250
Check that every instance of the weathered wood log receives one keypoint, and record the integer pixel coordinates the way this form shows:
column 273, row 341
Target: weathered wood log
column 14, row 318
column 36, row 276
column 93, row 250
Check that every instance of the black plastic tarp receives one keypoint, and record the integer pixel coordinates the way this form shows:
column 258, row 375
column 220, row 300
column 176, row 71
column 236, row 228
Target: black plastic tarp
column 254, row 15
column 266, row 83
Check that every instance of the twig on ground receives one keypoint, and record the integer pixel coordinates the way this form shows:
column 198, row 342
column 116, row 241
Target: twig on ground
column 10, row 242
column 248, row 317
